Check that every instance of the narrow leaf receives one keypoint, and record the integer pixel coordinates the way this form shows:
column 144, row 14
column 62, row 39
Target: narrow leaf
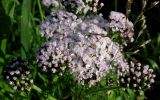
column 25, row 30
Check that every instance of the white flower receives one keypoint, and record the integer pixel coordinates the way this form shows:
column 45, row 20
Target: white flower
column 119, row 23
column 48, row 3
column 85, row 6
column 138, row 78
column 59, row 24
column 91, row 61
column 16, row 72
column 50, row 55
column 15, row 87
column 11, row 83
column 83, row 44
column 152, row 80
column 134, row 85
column 138, row 74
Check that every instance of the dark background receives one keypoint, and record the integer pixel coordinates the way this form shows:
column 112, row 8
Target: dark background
column 152, row 15
column 153, row 26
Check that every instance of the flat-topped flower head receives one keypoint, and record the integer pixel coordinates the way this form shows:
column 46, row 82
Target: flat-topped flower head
column 91, row 54
column 18, row 74
column 94, row 58
column 76, row 6
column 66, row 23
column 60, row 22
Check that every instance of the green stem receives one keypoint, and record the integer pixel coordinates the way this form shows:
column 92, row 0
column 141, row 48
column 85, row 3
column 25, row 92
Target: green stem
column 40, row 10
column 37, row 88
column 104, row 89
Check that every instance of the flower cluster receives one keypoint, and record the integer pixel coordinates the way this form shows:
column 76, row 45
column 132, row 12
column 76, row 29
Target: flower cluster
column 82, row 5
column 76, row 6
column 120, row 23
column 60, row 22
column 93, row 24
column 66, row 23
column 94, row 56
column 53, row 57
column 82, row 43
column 139, row 77
column 82, row 46
column 49, row 3
column 18, row 74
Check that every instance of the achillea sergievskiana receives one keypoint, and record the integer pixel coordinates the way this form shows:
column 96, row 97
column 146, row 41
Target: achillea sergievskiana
column 83, row 44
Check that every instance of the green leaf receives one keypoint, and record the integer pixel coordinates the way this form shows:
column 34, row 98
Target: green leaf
column 153, row 64
column 51, row 98
column 1, row 60
column 43, row 77
column 5, row 86
column 55, row 78
column 37, row 88
column 11, row 12
column 40, row 10
column 59, row 90
column 3, row 46
column 131, row 94
column 103, row 82
column 102, row 89
column 119, row 98
column 112, row 95
column 6, row 5
column 25, row 29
